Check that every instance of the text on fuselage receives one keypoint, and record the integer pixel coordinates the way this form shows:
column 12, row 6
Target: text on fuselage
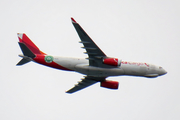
column 134, row 63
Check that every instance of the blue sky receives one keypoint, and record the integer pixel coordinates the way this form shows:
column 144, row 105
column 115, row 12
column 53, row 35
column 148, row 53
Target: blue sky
column 142, row 31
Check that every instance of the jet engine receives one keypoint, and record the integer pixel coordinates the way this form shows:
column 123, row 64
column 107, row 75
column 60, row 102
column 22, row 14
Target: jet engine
column 112, row 61
column 110, row 84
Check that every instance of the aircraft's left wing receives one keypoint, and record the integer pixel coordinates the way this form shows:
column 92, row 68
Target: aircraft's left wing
column 86, row 82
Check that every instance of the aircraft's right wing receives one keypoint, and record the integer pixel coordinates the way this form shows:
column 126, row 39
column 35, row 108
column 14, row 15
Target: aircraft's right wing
column 94, row 52
column 86, row 82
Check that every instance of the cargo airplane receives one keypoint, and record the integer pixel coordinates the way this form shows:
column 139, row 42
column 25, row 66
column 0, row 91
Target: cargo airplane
column 96, row 68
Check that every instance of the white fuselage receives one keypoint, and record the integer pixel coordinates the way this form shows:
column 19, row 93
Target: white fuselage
column 126, row 68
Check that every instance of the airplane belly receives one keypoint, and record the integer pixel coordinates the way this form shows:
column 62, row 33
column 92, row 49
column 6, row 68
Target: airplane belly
column 98, row 72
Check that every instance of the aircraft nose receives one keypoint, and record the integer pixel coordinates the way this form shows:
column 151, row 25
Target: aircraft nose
column 162, row 72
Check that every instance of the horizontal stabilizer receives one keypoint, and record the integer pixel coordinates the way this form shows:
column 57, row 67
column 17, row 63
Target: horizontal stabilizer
column 27, row 54
column 23, row 61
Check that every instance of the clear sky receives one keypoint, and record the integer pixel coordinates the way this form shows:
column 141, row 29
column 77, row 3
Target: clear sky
column 133, row 30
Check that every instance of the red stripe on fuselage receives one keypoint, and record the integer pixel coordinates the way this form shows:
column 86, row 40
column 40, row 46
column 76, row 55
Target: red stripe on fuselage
column 41, row 60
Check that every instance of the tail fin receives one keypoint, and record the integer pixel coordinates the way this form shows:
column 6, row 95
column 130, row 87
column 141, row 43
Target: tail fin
column 28, row 48
column 23, row 38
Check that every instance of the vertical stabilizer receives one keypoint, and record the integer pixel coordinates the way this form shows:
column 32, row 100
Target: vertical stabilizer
column 29, row 49
column 23, row 38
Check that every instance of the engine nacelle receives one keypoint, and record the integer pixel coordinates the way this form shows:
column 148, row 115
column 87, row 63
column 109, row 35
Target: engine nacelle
column 112, row 61
column 110, row 84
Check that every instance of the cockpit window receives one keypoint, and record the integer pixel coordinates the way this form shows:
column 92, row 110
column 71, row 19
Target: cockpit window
column 160, row 67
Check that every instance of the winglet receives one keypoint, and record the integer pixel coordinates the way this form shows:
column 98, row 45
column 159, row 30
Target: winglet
column 72, row 19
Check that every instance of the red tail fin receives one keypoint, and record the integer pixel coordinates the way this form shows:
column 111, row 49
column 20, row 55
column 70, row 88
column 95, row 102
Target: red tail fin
column 23, row 38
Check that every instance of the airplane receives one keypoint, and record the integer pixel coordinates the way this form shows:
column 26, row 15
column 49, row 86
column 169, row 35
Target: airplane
column 96, row 68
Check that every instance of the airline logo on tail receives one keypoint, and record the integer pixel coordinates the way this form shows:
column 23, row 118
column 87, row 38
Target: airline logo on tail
column 25, row 40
